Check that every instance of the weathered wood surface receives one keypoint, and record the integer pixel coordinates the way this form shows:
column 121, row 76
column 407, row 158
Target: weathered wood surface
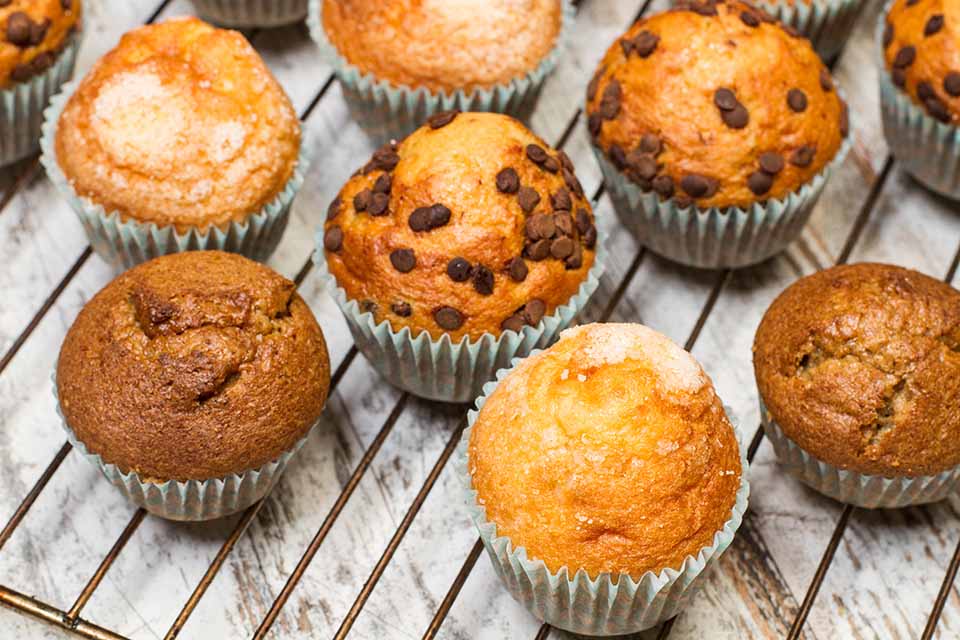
column 881, row 584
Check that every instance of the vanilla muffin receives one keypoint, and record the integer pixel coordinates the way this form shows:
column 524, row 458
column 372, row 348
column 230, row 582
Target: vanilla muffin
column 193, row 367
column 858, row 366
column 609, row 453
column 181, row 126
column 471, row 228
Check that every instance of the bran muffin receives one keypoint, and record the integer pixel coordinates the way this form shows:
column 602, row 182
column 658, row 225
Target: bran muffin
column 192, row 367
column 33, row 33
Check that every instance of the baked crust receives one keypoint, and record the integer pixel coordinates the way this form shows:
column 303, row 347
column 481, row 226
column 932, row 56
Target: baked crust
column 715, row 105
column 193, row 366
column 396, row 261
column 860, row 366
column 609, row 451
column 442, row 45
column 921, row 49
column 180, row 124
column 32, row 34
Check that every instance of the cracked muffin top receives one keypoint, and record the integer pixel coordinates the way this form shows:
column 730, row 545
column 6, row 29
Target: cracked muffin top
column 181, row 124
column 715, row 104
column 32, row 34
column 921, row 49
column 860, row 366
column 193, row 366
column 610, row 451
column 444, row 45
column 471, row 225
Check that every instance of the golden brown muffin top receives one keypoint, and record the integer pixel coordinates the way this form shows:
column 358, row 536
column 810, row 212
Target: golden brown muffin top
column 444, row 45
column 921, row 48
column 32, row 35
column 193, row 366
column 609, row 451
column 715, row 105
column 472, row 225
column 860, row 366
column 180, row 124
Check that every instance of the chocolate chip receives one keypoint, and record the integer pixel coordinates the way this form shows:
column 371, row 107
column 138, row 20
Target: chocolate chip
column 528, row 199
column 844, row 120
column 38, row 31
column 19, row 26
column 826, row 82
column 642, row 164
column 362, row 200
column 695, row 185
column 749, row 19
column 5, row 3
column 771, row 162
column 538, row 250
column 378, row 204
column 517, row 269
column 572, row 182
column 934, row 24
column 383, row 184
column 334, row 209
column 513, row 323
column 564, row 223
column 21, row 72
column 792, row 31
column 803, row 156
column 617, row 156
column 540, row 226
column 66, row 4
column 403, row 260
column 797, row 100
column 594, row 84
column 905, row 57
column 899, row 77
column 725, row 99
column 439, row 216
column 575, row 259
column 759, row 182
column 594, row 124
column 508, row 181
column 738, row 118
column 43, row 62
column 551, row 164
column 705, row 9
column 448, row 318
column 402, row 309
column 533, row 311
column 561, row 248
column 368, row 306
column 459, row 269
column 483, row 280
column 650, row 143
column 590, row 237
column 333, row 238
column 663, row 185
column 561, row 200
column 582, row 221
column 420, row 219
column 565, row 161
column 937, row 108
column 610, row 102
column 910, row 3
column 683, row 200
column 536, row 153
column 951, row 84
column 627, row 46
column 645, row 43
column 925, row 90
column 442, row 119
column 385, row 158
column 887, row 35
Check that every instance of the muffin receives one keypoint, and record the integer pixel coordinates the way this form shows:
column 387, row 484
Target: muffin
column 858, row 369
column 252, row 13
column 191, row 380
column 715, row 130
column 606, row 458
column 179, row 138
column 38, row 49
column 920, row 90
column 469, row 243
column 401, row 61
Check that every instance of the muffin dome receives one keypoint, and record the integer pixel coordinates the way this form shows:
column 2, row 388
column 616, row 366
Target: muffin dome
column 181, row 124
column 921, row 49
column 193, row 366
column 442, row 45
column 715, row 105
column 609, row 451
column 860, row 366
column 472, row 225
column 32, row 35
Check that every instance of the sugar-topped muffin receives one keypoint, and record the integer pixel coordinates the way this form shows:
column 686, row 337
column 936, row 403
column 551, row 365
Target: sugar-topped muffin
column 32, row 34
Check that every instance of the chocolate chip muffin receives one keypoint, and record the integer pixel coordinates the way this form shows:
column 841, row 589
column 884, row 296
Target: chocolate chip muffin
column 471, row 226
column 33, row 33
column 192, row 367
column 859, row 365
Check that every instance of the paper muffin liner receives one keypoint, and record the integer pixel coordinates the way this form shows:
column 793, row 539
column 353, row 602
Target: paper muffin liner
column 388, row 111
column 827, row 23
column 125, row 243
column 190, row 500
column 608, row 604
column 442, row 369
column 23, row 104
column 860, row 489
column 714, row 238
column 251, row 13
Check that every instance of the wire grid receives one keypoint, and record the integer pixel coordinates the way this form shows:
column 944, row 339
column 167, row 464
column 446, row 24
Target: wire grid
column 72, row 621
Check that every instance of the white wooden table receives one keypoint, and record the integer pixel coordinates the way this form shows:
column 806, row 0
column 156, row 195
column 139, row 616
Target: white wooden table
column 368, row 519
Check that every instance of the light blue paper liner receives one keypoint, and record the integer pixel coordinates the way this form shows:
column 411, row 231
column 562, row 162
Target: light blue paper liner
column 608, row 604
column 387, row 111
column 124, row 244
column 714, row 238
column 860, row 489
column 251, row 13
column 827, row 23
column 22, row 105
column 928, row 149
column 441, row 369
column 191, row 500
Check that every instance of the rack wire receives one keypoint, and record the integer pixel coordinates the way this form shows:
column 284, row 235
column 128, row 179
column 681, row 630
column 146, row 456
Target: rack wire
column 72, row 621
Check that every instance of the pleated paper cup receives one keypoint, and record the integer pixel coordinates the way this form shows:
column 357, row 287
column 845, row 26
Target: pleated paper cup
column 190, row 500
column 388, row 111
column 714, row 238
column 609, row 604
column 126, row 243
column 827, row 23
column 845, row 485
column 251, row 13
column 22, row 105
column 442, row 369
